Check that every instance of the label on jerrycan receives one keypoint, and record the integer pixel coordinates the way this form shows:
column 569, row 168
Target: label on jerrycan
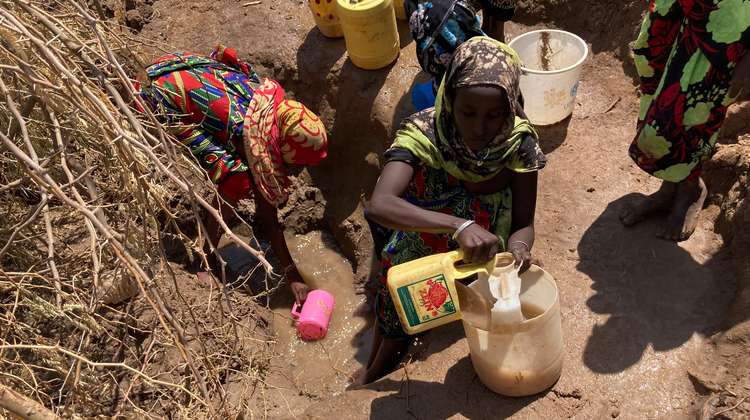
column 426, row 300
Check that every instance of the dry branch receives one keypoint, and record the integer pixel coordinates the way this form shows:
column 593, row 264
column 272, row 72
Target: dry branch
column 88, row 189
column 22, row 406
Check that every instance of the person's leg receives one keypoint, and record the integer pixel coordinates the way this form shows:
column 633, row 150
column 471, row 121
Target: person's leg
column 681, row 110
column 697, row 95
column 389, row 341
column 214, row 233
column 385, row 356
column 494, row 27
column 360, row 377
column 377, row 340
column 686, row 206
column 683, row 200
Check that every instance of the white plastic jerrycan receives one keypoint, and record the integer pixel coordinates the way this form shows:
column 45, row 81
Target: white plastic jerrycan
column 522, row 358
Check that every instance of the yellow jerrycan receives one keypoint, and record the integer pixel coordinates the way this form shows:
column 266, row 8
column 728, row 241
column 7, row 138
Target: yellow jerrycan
column 326, row 18
column 424, row 290
column 369, row 31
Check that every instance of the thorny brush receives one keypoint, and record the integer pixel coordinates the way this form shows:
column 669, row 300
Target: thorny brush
column 89, row 191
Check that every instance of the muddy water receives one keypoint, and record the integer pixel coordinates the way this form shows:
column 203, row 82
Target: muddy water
column 545, row 52
column 325, row 364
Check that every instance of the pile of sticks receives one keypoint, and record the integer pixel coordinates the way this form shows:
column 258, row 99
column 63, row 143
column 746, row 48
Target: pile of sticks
column 88, row 191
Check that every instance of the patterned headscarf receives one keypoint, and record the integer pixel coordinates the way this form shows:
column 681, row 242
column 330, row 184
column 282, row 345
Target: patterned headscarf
column 438, row 28
column 276, row 132
column 432, row 134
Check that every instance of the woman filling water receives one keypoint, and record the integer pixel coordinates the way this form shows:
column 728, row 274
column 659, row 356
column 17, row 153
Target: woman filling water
column 460, row 175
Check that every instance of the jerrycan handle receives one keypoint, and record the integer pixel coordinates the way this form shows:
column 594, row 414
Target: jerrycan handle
column 465, row 270
column 296, row 311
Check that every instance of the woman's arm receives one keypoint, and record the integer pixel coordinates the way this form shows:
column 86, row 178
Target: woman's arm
column 272, row 230
column 523, row 188
column 389, row 209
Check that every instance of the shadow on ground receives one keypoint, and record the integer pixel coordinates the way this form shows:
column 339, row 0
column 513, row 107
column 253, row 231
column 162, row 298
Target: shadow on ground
column 460, row 393
column 655, row 293
column 553, row 136
column 357, row 123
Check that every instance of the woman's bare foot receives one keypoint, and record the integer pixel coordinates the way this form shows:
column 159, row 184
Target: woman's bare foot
column 641, row 207
column 683, row 217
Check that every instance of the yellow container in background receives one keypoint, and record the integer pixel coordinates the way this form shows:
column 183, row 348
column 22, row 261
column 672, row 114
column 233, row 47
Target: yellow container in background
column 424, row 290
column 326, row 18
column 370, row 32
column 398, row 7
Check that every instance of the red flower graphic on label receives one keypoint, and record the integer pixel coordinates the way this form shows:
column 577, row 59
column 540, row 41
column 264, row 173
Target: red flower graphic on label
column 433, row 296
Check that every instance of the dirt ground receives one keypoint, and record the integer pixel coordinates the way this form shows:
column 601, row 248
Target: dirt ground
column 651, row 328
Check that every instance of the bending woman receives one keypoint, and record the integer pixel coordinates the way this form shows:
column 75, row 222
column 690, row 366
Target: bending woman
column 243, row 133
column 460, row 175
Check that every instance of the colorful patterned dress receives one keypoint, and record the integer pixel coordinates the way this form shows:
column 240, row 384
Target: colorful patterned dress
column 241, row 128
column 436, row 190
column 204, row 102
column 685, row 55
column 431, row 143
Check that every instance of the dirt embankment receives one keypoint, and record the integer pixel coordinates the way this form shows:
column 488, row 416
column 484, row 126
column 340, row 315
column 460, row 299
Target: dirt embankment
column 723, row 375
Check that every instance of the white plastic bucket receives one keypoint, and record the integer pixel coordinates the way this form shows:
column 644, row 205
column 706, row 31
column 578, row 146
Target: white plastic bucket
column 552, row 63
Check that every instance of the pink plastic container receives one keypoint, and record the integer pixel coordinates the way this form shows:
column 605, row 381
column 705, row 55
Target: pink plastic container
column 314, row 316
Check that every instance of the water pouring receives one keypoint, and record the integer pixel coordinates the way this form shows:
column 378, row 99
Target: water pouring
column 505, row 286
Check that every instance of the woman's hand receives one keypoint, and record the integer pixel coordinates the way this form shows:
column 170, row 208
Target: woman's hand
column 299, row 290
column 298, row 286
column 740, row 86
column 269, row 224
column 522, row 255
column 477, row 244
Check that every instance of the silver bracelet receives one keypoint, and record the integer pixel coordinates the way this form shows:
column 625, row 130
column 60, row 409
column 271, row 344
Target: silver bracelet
column 520, row 242
column 462, row 228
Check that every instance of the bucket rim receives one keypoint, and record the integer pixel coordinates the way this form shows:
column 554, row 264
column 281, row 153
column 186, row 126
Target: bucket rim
column 527, row 324
column 586, row 51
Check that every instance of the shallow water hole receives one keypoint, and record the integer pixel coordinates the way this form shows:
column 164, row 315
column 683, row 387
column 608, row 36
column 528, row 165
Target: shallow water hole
column 327, row 363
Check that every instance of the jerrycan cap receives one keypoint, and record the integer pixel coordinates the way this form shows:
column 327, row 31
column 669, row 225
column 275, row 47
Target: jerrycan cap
column 310, row 331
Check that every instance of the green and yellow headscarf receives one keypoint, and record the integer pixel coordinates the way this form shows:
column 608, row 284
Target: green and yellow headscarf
column 432, row 136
